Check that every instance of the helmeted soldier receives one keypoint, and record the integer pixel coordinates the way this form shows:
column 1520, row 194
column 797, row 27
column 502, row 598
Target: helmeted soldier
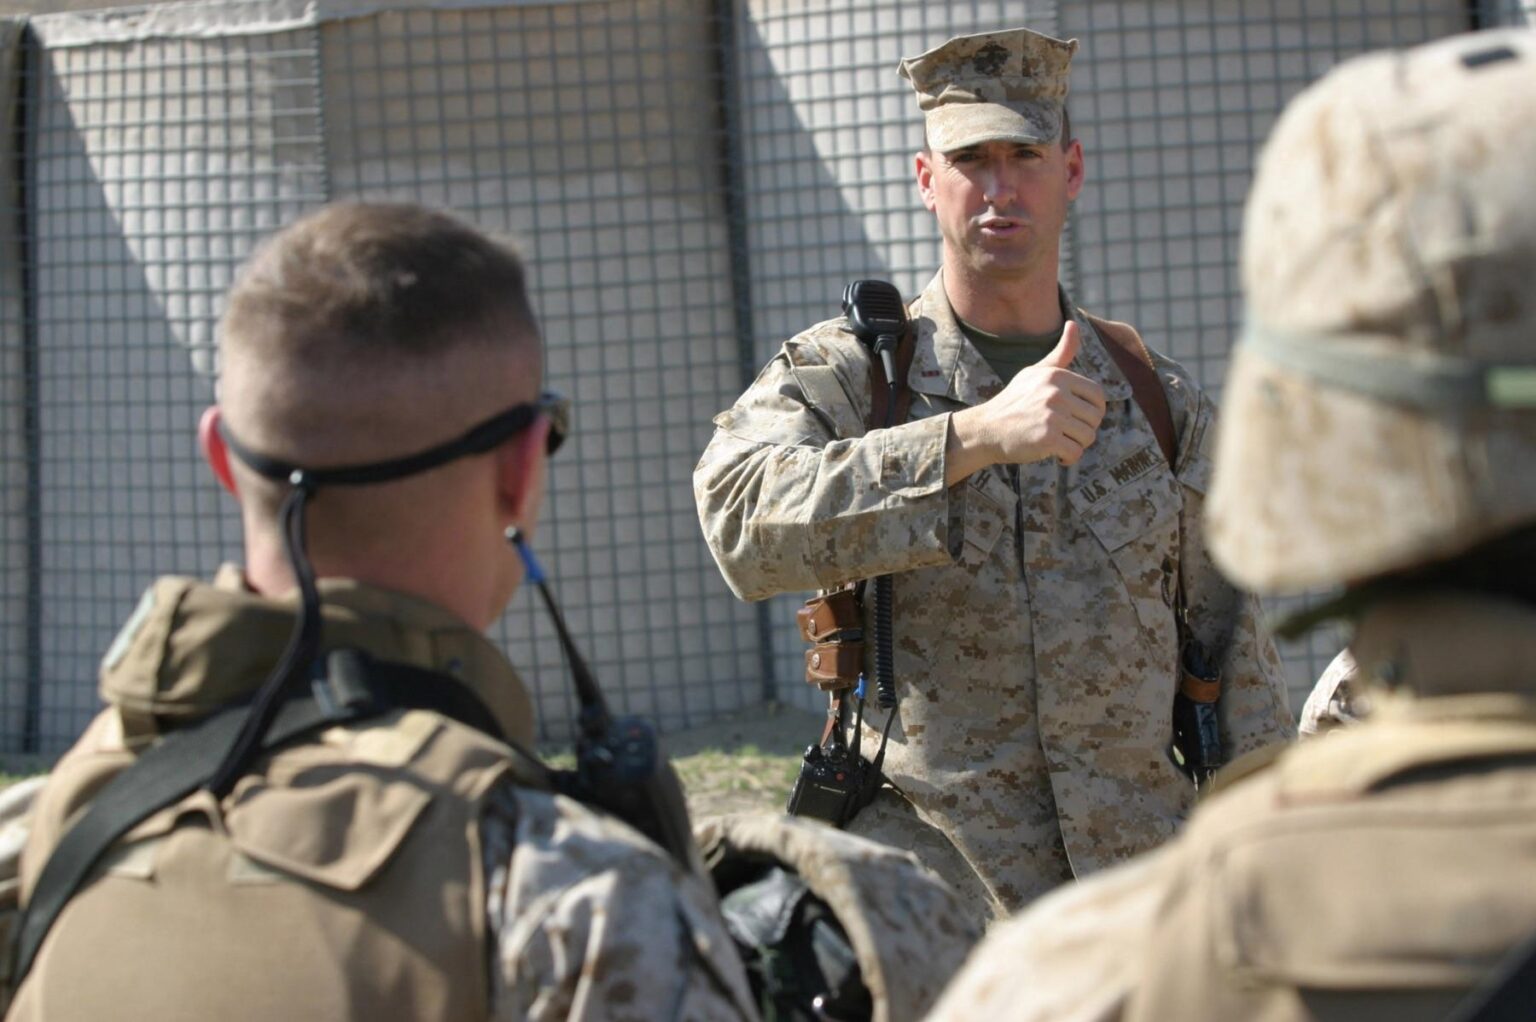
column 1038, row 503
column 1380, row 434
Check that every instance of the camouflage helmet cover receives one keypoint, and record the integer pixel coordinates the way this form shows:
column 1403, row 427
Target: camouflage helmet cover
column 1381, row 408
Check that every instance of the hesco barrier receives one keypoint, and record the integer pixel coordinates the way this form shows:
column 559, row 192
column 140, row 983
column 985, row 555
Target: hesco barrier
column 693, row 180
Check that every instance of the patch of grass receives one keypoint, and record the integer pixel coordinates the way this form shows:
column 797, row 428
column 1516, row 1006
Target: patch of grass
column 746, row 761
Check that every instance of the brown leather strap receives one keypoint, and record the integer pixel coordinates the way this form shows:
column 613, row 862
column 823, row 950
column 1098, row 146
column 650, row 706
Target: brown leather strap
column 1135, row 361
column 1200, row 690
column 879, row 388
column 834, row 719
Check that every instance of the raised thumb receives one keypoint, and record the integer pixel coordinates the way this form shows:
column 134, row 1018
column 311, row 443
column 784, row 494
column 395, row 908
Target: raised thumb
column 1065, row 351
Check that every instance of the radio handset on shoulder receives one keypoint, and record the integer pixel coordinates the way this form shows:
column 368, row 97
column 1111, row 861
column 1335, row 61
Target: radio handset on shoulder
column 878, row 317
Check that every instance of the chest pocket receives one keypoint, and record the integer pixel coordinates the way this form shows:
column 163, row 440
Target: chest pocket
column 1132, row 506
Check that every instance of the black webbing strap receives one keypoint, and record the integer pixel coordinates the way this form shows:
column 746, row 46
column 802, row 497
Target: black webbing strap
column 1508, row 995
column 355, row 688
column 481, row 438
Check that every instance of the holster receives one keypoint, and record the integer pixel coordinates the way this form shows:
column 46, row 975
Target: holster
column 1197, row 746
column 833, row 623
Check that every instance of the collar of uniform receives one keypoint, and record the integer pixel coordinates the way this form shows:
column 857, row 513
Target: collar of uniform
column 191, row 647
column 1442, row 643
column 1403, row 734
column 946, row 364
column 1450, row 680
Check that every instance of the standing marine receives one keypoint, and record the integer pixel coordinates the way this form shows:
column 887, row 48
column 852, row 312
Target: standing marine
column 1380, row 436
column 1039, row 504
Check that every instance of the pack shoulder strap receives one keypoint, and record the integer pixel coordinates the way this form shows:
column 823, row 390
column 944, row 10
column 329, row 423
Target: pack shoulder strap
column 356, row 688
column 1508, row 992
column 1135, row 361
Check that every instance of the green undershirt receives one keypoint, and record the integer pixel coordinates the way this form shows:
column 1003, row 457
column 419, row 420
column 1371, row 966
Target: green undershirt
column 1008, row 353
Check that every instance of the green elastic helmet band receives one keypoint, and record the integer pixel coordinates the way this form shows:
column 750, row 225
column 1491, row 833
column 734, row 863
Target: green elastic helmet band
column 1364, row 365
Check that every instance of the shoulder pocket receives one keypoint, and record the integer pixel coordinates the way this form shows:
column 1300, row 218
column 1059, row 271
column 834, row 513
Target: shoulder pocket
column 336, row 816
column 988, row 512
column 823, row 392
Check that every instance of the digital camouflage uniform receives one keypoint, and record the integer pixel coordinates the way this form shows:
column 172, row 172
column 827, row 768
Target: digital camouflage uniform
column 1385, row 390
column 397, row 868
column 1373, row 876
column 909, row 933
column 1336, row 699
column 1035, row 645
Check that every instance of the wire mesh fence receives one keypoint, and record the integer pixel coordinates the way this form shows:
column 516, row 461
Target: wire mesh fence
column 693, row 181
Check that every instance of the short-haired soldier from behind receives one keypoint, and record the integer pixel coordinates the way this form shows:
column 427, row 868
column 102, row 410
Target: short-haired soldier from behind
column 309, row 795
column 1380, row 436
column 1035, row 500
column 362, row 843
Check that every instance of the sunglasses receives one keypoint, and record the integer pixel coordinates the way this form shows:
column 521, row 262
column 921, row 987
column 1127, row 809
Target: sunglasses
column 487, row 436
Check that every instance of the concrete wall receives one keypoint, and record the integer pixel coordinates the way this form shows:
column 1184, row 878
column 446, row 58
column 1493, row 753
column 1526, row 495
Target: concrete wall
column 156, row 167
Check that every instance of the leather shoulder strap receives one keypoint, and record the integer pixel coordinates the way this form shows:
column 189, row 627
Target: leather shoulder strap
column 1135, row 361
column 879, row 388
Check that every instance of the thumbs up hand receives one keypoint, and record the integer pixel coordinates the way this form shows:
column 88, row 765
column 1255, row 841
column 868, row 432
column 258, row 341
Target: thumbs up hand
column 1061, row 356
column 1045, row 411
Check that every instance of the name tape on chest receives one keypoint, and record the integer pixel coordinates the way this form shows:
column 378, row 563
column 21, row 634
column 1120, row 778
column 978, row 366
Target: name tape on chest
column 1127, row 470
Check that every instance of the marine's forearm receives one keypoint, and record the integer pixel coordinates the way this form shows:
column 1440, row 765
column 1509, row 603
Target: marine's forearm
column 786, row 517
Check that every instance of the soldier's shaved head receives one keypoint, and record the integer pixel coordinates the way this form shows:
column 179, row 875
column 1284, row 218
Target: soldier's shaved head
column 365, row 327
column 370, row 332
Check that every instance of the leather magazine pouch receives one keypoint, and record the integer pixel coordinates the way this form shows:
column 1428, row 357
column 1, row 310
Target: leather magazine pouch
column 834, row 666
column 833, row 624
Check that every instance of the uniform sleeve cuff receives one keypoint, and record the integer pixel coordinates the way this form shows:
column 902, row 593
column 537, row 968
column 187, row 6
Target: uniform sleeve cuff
column 912, row 457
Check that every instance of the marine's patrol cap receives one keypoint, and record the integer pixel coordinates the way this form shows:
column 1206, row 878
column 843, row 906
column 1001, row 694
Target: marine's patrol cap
column 1380, row 413
column 994, row 87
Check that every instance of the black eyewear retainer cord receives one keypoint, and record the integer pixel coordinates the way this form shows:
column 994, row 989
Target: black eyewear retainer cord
column 304, row 642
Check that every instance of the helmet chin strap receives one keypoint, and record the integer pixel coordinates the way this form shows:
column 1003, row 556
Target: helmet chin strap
column 303, row 648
